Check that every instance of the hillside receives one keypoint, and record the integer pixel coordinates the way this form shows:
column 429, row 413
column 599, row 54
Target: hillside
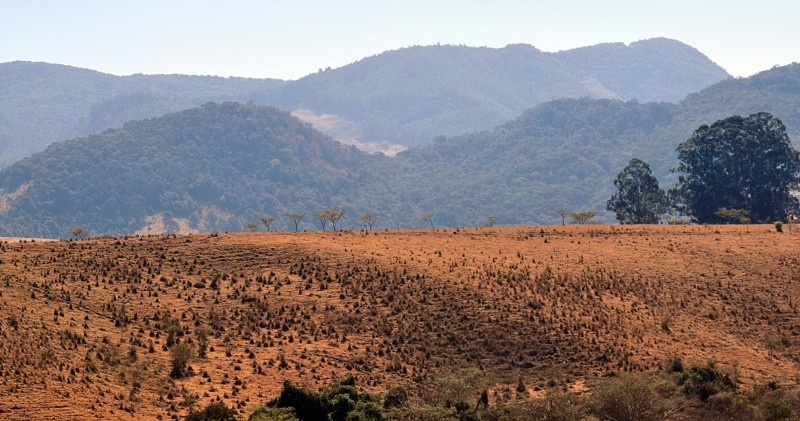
column 226, row 172
column 202, row 169
column 406, row 96
column 43, row 103
column 87, row 325
column 411, row 95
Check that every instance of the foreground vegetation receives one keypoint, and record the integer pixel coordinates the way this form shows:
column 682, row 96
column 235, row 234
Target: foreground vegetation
column 696, row 392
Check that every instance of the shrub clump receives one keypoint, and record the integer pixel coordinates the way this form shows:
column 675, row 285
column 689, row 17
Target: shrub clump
column 704, row 381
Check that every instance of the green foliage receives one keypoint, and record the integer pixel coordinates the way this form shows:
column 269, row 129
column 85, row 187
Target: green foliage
column 703, row 381
column 180, row 356
column 779, row 226
column 561, row 153
column 745, row 163
column 268, row 413
column 338, row 402
column 639, row 199
column 736, row 216
column 215, row 411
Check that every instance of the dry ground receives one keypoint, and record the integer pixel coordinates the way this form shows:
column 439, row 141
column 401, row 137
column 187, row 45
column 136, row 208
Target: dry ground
column 85, row 325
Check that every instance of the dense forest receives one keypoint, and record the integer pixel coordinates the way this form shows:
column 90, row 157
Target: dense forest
column 221, row 166
column 405, row 97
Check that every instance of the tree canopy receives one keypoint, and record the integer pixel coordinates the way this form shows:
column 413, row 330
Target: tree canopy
column 639, row 199
column 745, row 163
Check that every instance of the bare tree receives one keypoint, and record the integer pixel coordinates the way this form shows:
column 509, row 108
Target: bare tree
column 296, row 218
column 323, row 217
column 267, row 220
column 368, row 219
column 490, row 221
column 80, row 232
column 563, row 214
column 428, row 217
column 335, row 214
column 582, row 217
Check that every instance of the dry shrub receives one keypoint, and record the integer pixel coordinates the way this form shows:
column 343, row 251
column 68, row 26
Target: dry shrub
column 634, row 397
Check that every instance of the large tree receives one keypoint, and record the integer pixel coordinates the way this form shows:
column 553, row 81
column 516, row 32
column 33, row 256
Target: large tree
column 739, row 162
column 639, row 200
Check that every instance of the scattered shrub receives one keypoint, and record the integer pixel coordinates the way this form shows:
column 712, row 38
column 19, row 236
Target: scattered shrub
column 632, row 397
column 704, row 381
column 779, row 226
column 215, row 411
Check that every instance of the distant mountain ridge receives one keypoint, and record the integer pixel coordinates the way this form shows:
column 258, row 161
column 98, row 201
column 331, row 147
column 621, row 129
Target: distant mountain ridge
column 405, row 96
column 220, row 166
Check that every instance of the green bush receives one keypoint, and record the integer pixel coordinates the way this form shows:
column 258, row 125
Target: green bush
column 215, row 411
column 704, row 381
column 267, row 413
column 338, row 402
column 779, row 226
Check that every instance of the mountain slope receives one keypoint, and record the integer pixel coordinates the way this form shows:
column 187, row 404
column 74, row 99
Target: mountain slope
column 411, row 95
column 221, row 166
column 406, row 96
column 203, row 168
column 43, row 103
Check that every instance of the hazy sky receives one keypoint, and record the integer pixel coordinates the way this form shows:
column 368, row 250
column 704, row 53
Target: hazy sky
column 289, row 39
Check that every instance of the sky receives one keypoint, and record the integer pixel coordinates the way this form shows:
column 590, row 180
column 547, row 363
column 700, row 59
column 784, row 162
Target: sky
column 290, row 39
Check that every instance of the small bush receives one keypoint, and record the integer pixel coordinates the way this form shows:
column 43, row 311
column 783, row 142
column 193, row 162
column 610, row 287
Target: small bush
column 779, row 226
column 215, row 411
column 557, row 406
column 631, row 397
column 704, row 381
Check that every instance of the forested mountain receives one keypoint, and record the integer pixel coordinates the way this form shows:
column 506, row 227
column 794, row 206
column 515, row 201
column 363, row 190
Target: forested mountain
column 43, row 103
column 206, row 168
column 411, row 95
column 406, row 96
column 220, row 166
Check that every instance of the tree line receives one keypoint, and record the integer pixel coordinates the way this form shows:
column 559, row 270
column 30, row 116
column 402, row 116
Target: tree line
column 739, row 169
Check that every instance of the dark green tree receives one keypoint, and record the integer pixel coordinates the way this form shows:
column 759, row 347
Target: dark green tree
column 639, row 200
column 745, row 163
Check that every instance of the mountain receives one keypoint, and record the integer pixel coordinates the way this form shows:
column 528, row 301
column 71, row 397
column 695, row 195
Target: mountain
column 222, row 165
column 411, row 95
column 402, row 97
column 197, row 169
column 43, row 103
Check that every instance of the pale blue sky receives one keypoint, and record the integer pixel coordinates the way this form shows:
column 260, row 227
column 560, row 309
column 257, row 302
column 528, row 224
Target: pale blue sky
column 289, row 39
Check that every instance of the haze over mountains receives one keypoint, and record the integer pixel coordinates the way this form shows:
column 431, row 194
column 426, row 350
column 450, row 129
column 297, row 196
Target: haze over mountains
column 222, row 165
column 404, row 97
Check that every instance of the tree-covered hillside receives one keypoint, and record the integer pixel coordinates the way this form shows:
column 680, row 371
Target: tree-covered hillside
column 407, row 96
column 207, row 168
column 411, row 95
column 43, row 103
column 220, row 167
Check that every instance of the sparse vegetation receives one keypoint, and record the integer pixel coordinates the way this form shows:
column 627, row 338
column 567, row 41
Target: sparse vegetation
column 405, row 312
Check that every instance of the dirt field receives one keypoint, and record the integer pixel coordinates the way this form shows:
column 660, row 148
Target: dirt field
column 86, row 326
